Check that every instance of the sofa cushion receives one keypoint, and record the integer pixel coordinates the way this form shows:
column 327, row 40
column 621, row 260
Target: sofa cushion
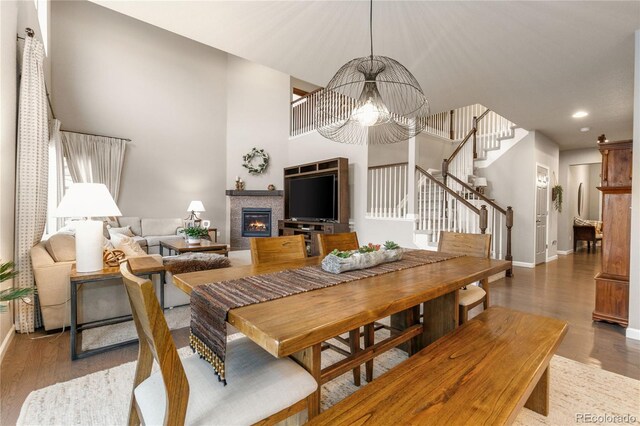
column 61, row 247
column 125, row 230
column 127, row 245
column 154, row 240
column 160, row 226
column 133, row 222
column 142, row 242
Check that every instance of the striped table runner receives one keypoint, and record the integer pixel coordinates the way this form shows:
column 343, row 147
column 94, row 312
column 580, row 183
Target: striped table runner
column 210, row 303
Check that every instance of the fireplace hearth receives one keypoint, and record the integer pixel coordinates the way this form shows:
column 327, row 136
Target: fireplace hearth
column 256, row 222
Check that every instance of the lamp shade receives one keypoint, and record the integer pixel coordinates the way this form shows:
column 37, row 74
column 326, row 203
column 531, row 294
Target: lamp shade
column 196, row 206
column 87, row 200
column 480, row 181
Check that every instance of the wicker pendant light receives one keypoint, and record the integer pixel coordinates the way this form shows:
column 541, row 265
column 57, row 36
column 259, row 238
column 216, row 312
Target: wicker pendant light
column 372, row 100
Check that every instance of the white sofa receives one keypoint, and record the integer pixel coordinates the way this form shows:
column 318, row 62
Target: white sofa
column 96, row 301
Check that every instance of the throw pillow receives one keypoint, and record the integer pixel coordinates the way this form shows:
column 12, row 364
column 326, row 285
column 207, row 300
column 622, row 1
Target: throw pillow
column 127, row 244
column 581, row 222
column 61, row 247
column 192, row 262
column 125, row 230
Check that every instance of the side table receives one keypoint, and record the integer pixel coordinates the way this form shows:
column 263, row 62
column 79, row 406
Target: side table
column 181, row 246
column 141, row 266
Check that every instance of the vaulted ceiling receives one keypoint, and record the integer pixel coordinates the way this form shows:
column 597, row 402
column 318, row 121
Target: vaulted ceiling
column 536, row 63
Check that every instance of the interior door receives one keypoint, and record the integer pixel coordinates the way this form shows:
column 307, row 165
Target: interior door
column 542, row 211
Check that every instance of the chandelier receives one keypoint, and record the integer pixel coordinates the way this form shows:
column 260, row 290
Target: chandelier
column 372, row 100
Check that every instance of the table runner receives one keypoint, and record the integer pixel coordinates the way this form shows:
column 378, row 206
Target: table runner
column 210, row 303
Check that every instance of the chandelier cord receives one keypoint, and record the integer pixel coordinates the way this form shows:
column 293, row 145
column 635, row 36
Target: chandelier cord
column 371, row 26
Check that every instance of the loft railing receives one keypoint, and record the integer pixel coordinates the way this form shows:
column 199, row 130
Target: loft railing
column 388, row 191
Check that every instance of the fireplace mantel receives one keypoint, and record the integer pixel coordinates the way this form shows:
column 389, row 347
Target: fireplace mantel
column 254, row 193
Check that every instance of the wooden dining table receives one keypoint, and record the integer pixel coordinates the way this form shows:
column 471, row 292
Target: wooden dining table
column 297, row 325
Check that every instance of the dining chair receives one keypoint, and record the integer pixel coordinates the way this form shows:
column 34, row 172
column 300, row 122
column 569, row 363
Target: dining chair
column 277, row 249
column 477, row 245
column 261, row 388
column 344, row 241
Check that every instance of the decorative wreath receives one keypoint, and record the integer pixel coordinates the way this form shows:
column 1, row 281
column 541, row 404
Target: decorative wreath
column 248, row 161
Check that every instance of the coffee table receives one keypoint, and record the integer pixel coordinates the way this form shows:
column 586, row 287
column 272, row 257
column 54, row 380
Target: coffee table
column 181, row 246
column 141, row 266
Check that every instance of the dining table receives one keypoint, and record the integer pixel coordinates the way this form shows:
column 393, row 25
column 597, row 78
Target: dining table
column 296, row 325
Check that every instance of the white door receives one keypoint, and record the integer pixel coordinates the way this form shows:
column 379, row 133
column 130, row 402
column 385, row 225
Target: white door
column 542, row 207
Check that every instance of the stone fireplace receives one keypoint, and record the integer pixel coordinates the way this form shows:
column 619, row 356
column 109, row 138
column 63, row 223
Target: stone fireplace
column 253, row 214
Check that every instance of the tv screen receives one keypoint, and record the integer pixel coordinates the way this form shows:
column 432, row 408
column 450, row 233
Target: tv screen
column 313, row 198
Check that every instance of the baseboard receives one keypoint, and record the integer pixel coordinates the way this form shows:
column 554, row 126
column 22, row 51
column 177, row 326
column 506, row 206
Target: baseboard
column 7, row 341
column 552, row 258
column 633, row 333
column 497, row 276
column 565, row 252
column 523, row 264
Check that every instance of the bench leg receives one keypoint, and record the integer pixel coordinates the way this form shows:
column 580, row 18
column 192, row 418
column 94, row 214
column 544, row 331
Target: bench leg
column 539, row 399
column 354, row 345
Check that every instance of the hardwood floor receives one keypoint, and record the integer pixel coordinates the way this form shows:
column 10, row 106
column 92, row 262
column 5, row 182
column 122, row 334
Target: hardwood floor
column 562, row 289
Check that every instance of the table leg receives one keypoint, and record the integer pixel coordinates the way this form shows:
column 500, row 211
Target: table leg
column 354, row 346
column 162, row 278
column 74, row 320
column 403, row 320
column 161, row 250
column 309, row 358
column 539, row 399
column 369, row 337
column 440, row 317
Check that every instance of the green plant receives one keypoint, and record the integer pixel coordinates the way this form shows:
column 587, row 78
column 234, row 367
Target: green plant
column 6, row 273
column 390, row 245
column 556, row 197
column 195, row 232
column 341, row 254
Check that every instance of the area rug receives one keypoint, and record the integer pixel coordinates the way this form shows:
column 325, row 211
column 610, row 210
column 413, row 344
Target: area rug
column 109, row 334
column 102, row 398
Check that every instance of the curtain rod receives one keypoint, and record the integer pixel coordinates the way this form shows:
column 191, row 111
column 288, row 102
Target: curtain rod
column 92, row 134
column 28, row 31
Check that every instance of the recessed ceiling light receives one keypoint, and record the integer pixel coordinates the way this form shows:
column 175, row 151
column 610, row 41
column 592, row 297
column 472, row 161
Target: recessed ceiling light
column 580, row 114
column 585, row 129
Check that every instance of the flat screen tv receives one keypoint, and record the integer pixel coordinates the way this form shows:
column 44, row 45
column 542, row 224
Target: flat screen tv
column 314, row 198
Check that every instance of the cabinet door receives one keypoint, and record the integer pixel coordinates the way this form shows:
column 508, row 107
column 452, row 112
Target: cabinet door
column 616, row 233
column 616, row 167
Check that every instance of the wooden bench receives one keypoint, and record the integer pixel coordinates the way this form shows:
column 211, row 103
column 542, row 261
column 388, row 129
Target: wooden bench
column 585, row 233
column 484, row 372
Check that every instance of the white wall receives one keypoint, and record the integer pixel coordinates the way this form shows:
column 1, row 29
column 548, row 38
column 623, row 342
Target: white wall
column 511, row 182
column 565, row 219
column 432, row 150
column 114, row 75
column 633, row 331
column 592, row 203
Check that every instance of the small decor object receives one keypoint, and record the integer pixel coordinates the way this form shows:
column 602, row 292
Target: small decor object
column 271, row 187
column 113, row 257
column 556, row 197
column 254, row 167
column 6, row 273
column 239, row 184
column 194, row 234
column 365, row 257
column 372, row 100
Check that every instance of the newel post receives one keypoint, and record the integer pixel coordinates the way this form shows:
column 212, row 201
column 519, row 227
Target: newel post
column 484, row 215
column 475, row 130
column 509, row 226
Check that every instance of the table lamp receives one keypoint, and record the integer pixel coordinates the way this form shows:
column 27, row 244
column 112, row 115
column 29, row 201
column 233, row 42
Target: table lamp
column 88, row 200
column 480, row 183
column 195, row 207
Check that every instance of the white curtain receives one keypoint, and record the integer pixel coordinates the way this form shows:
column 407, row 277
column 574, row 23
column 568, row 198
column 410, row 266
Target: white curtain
column 31, row 172
column 95, row 159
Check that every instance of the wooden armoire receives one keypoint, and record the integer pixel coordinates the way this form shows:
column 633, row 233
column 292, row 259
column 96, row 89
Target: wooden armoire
column 612, row 283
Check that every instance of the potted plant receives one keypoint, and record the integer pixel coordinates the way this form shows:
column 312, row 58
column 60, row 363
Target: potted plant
column 194, row 234
column 6, row 273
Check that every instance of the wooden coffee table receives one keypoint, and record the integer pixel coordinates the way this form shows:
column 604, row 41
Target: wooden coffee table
column 181, row 246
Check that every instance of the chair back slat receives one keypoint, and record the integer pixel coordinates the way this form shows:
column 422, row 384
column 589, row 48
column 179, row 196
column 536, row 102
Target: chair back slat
column 344, row 241
column 155, row 343
column 277, row 249
column 477, row 245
